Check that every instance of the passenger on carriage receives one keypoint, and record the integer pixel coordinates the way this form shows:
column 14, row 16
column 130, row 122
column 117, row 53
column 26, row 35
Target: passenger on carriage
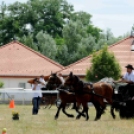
column 61, row 78
column 128, row 89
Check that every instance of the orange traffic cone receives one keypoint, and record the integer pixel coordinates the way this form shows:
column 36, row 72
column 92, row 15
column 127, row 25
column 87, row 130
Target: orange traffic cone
column 4, row 131
column 11, row 104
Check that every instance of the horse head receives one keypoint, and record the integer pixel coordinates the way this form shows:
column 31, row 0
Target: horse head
column 53, row 82
column 74, row 81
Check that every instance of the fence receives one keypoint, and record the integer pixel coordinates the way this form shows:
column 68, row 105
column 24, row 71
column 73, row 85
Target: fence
column 20, row 95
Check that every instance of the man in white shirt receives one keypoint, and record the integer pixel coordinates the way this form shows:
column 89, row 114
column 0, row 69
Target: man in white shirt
column 61, row 78
column 129, row 79
column 41, row 79
column 36, row 87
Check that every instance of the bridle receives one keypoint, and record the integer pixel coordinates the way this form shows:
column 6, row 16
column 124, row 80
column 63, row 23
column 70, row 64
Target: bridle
column 54, row 81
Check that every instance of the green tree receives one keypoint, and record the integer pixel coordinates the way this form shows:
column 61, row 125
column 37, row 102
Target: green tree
column 1, row 84
column 104, row 64
column 84, row 17
column 94, row 31
column 46, row 45
column 46, row 15
column 28, row 41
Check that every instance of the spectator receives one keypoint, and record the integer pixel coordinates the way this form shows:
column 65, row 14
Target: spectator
column 36, row 87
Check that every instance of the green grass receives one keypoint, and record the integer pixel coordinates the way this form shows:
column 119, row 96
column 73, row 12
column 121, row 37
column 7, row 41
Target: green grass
column 44, row 122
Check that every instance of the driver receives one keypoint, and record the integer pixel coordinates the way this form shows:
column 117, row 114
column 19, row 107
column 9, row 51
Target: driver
column 129, row 79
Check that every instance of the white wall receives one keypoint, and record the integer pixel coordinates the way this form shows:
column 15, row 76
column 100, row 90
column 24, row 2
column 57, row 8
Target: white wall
column 14, row 82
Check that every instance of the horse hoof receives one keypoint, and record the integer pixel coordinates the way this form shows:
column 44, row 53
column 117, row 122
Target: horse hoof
column 87, row 119
column 96, row 119
column 114, row 116
column 71, row 116
column 56, row 117
column 77, row 117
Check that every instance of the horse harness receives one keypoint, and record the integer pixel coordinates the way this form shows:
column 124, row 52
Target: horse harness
column 90, row 92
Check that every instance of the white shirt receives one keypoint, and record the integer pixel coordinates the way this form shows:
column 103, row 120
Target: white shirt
column 43, row 81
column 37, row 91
column 129, row 77
column 62, row 80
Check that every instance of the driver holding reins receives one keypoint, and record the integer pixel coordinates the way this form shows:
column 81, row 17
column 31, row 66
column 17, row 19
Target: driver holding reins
column 129, row 79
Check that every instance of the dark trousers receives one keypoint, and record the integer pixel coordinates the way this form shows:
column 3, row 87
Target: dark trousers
column 36, row 103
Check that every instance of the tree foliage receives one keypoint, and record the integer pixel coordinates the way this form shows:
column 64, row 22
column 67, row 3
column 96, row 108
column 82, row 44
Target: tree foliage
column 1, row 84
column 46, row 45
column 104, row 64
column 53, row 28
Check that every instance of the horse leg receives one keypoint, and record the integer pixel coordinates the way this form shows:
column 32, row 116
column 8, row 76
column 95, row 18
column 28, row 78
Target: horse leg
column 74, row 105
column 102, row 108
column 111, row 108
column 58, row 111
column 86, row 111
column 64, row 111
column 112, row 112
column 97, row 107
column 79, row 113
column 50, row 104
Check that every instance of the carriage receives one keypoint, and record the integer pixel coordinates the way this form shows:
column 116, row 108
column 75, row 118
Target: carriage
column 123, row 103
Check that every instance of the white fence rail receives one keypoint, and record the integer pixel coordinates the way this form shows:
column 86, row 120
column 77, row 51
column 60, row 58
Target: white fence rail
column 20, row 95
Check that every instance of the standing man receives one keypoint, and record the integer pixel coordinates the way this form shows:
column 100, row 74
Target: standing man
column 36, row 87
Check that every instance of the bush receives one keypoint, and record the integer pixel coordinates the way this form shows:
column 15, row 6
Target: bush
column 1, row 84
column 104, row 64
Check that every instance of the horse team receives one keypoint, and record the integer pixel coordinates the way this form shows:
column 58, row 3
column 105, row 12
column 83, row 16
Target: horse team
column 76, row 91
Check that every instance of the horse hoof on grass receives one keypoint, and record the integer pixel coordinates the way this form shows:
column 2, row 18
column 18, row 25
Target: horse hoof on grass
column 96, row 119
column 114, row 116
column 71, row 116
column 77, row 117
column 87, row 119
column 56, row 117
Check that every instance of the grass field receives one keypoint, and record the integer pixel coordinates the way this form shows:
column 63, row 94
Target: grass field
column 44, row 122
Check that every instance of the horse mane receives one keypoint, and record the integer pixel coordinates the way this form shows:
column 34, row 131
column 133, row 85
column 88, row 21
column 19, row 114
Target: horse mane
column 77, row 78
column 80, row 82
column 55, row 75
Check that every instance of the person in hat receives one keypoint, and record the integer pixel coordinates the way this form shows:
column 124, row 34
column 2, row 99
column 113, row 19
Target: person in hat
column 36, row 87
column 128, row 78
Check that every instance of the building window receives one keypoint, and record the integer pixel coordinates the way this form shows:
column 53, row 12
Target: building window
column 22, row 85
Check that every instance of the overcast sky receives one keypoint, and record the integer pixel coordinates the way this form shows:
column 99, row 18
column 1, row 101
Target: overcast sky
column 118, row 15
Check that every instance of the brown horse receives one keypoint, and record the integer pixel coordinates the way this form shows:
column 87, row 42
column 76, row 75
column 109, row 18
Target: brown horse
column 85, row 93
column 65, row 95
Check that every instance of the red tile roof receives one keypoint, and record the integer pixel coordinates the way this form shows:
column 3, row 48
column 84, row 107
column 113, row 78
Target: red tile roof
column 122, row 51
column 17, row 59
